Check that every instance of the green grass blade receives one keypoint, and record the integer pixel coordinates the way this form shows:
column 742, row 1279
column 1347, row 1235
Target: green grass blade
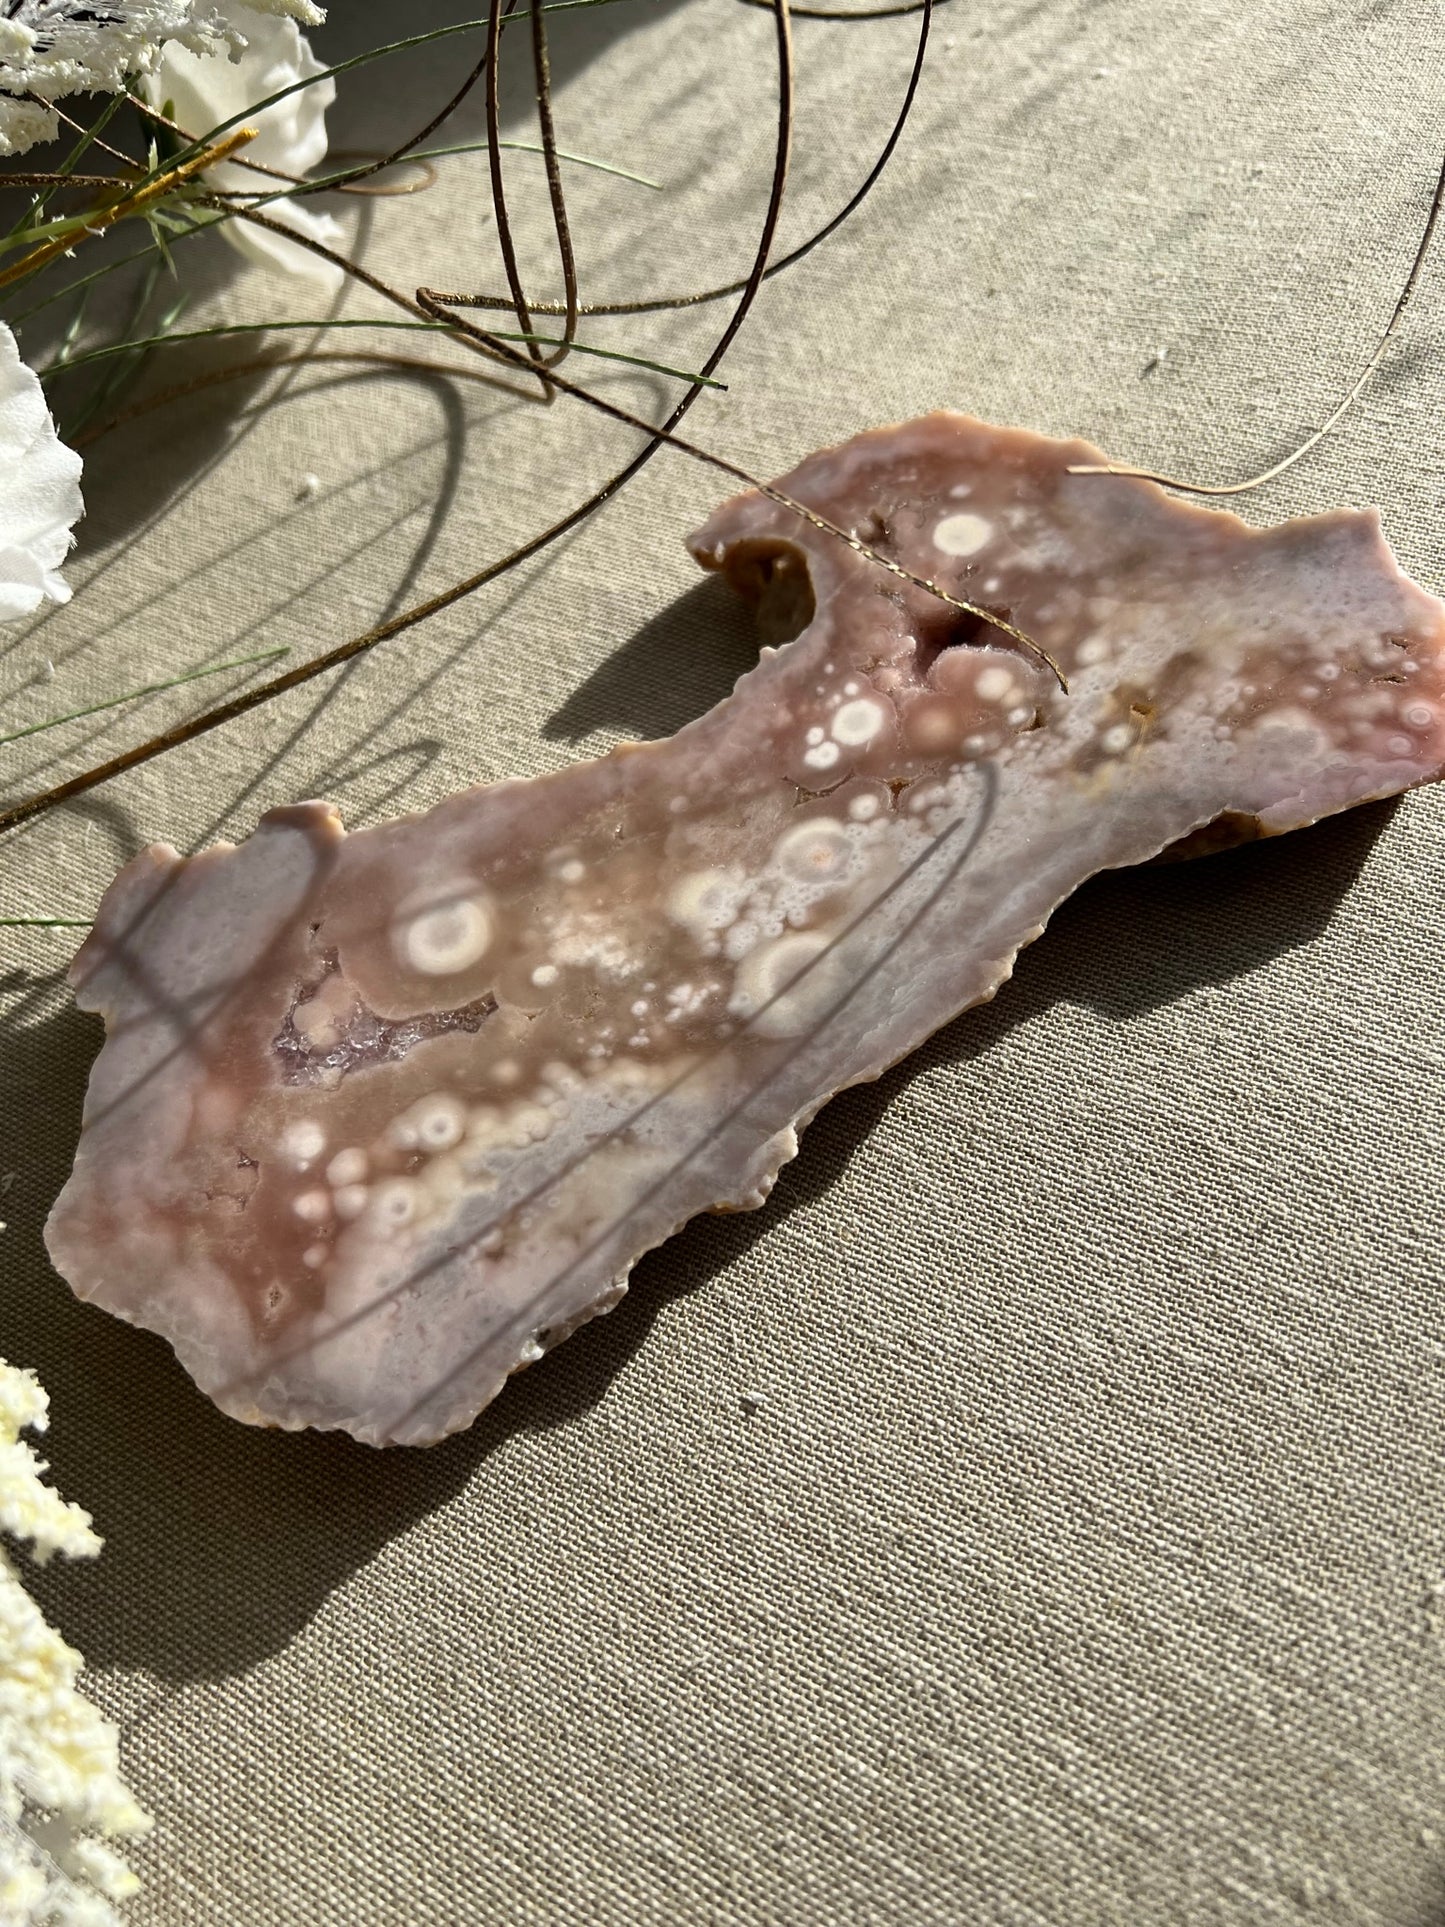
column 149, row 689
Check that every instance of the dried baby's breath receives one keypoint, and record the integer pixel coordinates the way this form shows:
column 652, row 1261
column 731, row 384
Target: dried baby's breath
column 62, row 1798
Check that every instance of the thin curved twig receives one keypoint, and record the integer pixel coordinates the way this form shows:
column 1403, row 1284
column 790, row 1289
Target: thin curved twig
column 1337, row 415
column 542, row 69
column 788, row 260
column 434, row 304
column 499, row 190
column 63, row 180
column 89, row 134
column 90, row 779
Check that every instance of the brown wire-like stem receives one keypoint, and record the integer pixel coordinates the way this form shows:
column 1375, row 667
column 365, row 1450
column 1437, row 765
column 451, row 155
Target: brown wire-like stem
column 838, row 13
column 1310, row 441
column 63, row 180
column 186, row 732
column 542, row 69
column 434, row 305
column 499, row 193
column 79, row 127
column 788, row 260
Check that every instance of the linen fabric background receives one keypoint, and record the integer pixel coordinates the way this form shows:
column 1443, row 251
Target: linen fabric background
column 1036, row 1514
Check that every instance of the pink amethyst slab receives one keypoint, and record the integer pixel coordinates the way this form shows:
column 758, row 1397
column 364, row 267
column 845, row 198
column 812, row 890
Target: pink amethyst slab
column 380, row 1118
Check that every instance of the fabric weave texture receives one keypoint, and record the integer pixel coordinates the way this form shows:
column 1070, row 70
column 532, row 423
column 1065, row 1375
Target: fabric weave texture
column 1035, row 1517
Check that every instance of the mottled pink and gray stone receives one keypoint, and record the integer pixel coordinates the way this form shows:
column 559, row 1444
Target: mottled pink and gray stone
column 382, row 1117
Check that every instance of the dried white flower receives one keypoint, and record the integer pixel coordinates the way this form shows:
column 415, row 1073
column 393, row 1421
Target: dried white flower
column 24, row 122
column 39, row 491
column 305, row 12
column 56, row 47
column 51, row 48
column 59, row 1768
column 207, row 89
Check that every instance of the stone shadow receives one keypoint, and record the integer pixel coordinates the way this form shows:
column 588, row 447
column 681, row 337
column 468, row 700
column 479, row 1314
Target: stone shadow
column 224, row 1541
column 683, row 660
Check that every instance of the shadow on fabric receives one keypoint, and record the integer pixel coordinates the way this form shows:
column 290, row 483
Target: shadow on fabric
column 378, row 106
column 224, row 1541
column 677, row 666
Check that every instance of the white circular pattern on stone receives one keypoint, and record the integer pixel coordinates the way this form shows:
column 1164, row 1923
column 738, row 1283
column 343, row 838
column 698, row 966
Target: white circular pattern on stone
column 995, row 684
column 350, row 1202
column 858, row 722
column 962, row 534
column 784, row 986
column 704, row 900
column 303, row 1142
column 813, row 852
column 450, row 936
column 439, row 1122
column 347, row 1167
column 394, row 1203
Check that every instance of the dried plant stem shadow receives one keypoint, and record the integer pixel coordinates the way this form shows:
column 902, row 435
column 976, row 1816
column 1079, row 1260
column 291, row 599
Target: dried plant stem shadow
column 453, row 441
column 436, row 307
column 225, row 1541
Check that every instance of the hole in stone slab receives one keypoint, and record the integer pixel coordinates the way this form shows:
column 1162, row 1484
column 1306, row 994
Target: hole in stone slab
column 942, row 628
column 773, row 579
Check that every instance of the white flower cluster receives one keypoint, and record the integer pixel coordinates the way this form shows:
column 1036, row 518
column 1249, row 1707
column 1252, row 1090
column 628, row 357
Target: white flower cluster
column 51, row 48
column 61, row 1794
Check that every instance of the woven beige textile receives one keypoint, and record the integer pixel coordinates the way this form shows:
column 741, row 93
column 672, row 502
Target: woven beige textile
column 1036, row 1515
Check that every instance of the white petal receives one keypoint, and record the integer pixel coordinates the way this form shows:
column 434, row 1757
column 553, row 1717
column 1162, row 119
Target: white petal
column 40, row 500
column 22, row 584
column 208, row 89
column 305, row 12
column 281, row 256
